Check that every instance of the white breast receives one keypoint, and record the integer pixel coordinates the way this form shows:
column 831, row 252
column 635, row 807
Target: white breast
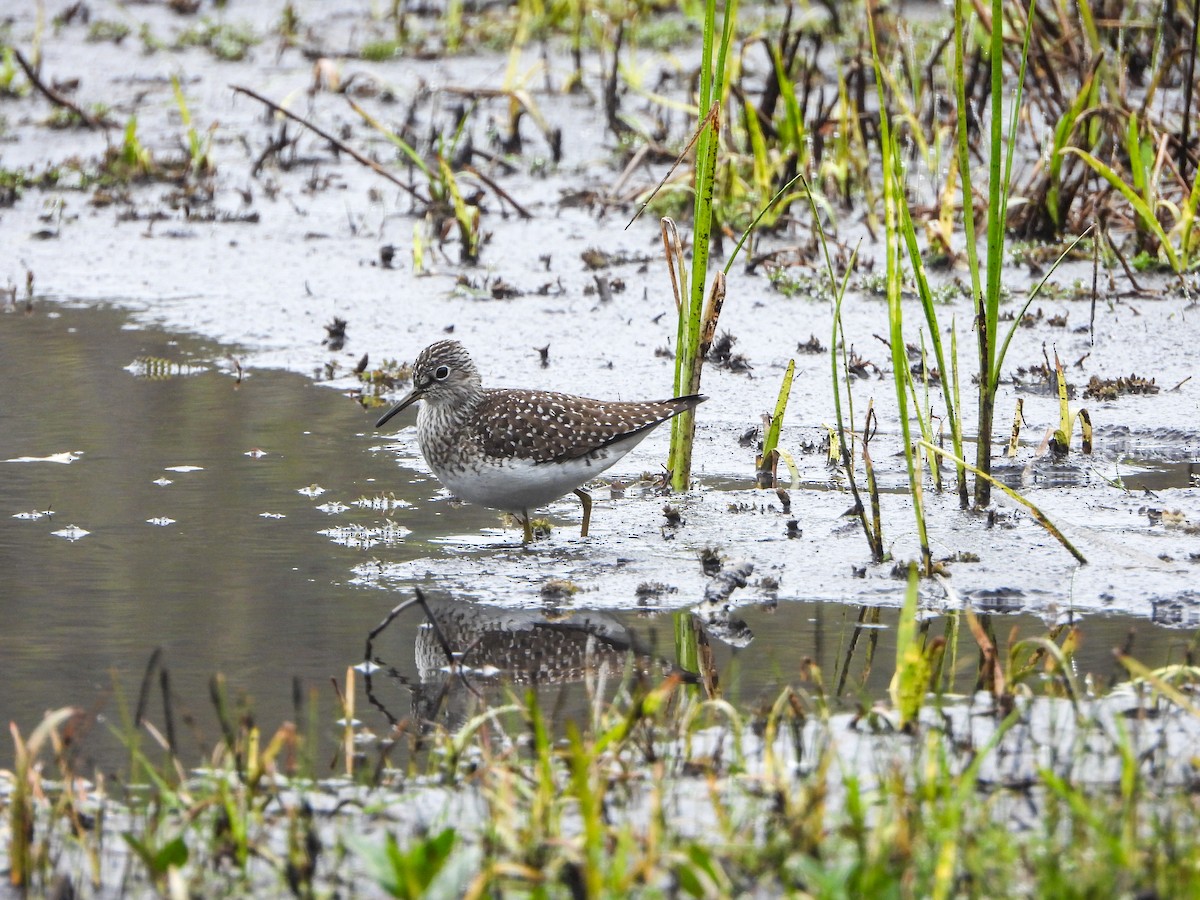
column 517, row 485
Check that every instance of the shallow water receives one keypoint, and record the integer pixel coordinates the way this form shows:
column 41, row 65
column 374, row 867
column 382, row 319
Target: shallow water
column 259, row 575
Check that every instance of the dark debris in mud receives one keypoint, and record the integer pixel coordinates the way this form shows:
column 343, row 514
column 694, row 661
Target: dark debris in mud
column 604, row 287
column 921, row 373
column 812, row 345
column 1037, row 317
column 1039, row 379
column 1110, row 388
column 649, row 591
column 751, row 437
column 558, row 589
column 721, row 354
column 711, row 561
column 861, row 367
column 504, row 290
column 1171, row 518
column 335, row 332
column 595, row 258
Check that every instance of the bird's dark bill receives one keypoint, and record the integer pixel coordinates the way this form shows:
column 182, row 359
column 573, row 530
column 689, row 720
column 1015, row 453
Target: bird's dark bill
column 398, row 408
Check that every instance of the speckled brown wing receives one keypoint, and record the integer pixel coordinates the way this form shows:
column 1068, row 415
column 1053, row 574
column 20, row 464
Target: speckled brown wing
column 544, row 427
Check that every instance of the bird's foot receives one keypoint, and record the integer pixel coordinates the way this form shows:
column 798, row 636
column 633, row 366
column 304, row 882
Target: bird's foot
column 532, row 529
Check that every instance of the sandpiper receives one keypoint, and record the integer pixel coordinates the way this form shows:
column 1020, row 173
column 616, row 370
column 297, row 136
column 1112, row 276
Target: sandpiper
column 517, row 450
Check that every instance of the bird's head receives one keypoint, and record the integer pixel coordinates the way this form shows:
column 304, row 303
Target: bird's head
column 443, row 375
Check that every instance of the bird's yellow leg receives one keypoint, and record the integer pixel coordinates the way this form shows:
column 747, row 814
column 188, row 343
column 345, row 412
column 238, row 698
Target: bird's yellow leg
column 586, row 499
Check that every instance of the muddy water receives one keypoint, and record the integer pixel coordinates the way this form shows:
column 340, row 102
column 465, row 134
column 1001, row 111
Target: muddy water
column 198, row 538
column 259, row 528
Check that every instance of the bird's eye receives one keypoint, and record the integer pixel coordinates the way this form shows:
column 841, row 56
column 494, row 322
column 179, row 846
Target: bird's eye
column 441, row 373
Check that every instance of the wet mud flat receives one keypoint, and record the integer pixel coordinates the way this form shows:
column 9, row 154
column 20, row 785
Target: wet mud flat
column 256, row 258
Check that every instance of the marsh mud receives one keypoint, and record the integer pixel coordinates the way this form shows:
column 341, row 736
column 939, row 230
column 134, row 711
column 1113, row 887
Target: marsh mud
column 177, row 318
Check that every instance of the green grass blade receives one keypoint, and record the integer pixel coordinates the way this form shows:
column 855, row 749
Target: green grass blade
column 893, row 198
column 839, row 294
column 761, row 213
column 925, row 294
column 688, row 358
column 771, row 439
column 1085, row 99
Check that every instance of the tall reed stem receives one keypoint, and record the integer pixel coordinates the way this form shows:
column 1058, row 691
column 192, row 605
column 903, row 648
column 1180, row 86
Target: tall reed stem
column 690, row 357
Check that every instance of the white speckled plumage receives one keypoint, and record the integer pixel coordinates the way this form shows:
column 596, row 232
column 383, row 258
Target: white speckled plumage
column 516, row 450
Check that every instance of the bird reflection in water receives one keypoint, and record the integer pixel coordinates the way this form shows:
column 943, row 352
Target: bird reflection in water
column 468, row 654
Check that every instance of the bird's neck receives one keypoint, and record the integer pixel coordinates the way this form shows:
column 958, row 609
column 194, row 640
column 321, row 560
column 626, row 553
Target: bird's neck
column 441, row 422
